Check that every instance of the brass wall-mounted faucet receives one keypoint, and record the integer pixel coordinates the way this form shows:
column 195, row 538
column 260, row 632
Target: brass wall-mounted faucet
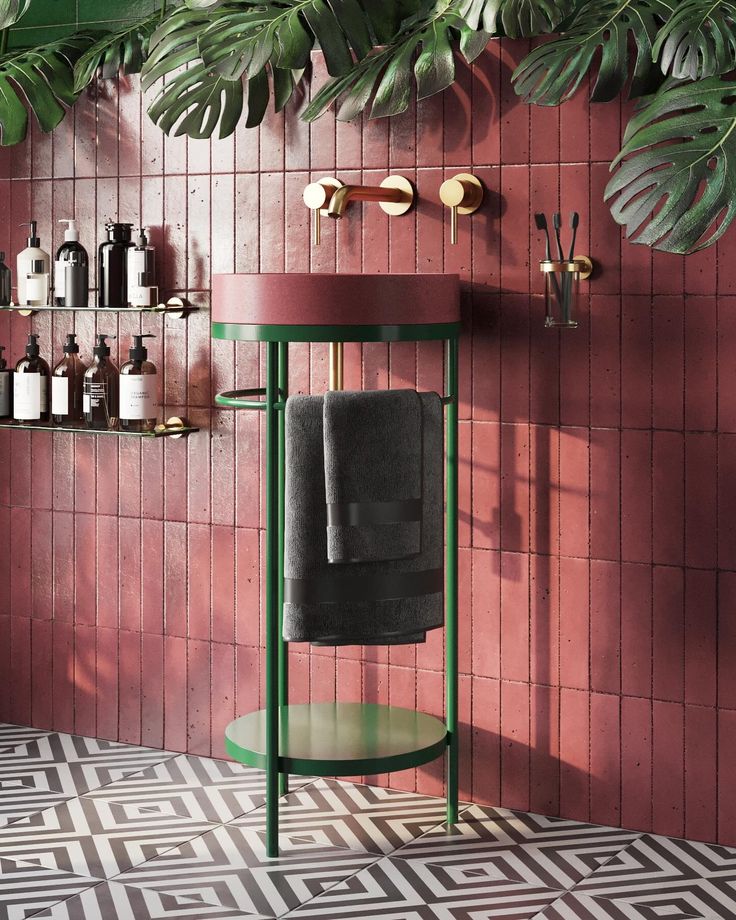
column 464, row 195
column 329, row 197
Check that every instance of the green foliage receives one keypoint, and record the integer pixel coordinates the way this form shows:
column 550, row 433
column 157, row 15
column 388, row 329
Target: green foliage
column 38, row 80
column 11, row 11
column 125, row 49
column 599, row 29
column 516, row 18
column 424, row 50
column 675, row 185
column 699, row 40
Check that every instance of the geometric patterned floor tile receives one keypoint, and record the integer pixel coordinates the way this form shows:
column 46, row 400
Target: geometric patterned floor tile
column 193, row 787
column 228, row 867
column 112, row 901
column 670, row 876
column 396, row 889
column 574, row 906
column 354, row 816
column 22, row 796
column 521, row 847
column 97, row 839
column 13, row 736
column 72, row 765
column 26, row 888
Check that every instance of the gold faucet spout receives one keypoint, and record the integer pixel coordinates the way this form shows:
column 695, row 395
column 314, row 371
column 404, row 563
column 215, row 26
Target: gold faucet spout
column 343, row 196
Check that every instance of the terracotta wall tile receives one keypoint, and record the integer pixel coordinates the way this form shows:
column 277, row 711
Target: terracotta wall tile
column 598, row 550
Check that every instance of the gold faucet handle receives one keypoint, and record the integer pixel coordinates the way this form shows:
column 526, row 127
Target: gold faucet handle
column 316, row 197
column 464, row 195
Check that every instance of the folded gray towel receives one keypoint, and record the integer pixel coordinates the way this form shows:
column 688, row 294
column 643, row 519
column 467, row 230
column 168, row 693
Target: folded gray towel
column 366, row 603
column 373, row 475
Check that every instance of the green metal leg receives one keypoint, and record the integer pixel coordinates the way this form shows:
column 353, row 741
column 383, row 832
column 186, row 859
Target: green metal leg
column 283, row 384
column 273, row 638
column 451, row 586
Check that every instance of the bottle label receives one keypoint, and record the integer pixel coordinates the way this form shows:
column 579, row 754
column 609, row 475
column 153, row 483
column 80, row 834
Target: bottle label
column 60, row 279
column 5, row 381
column 29, row 396
column 94, row 396
column 60, row 395
column 37, row 290
column 138, row 396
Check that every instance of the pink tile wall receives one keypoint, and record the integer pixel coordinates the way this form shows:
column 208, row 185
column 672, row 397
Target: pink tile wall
column 598, row 551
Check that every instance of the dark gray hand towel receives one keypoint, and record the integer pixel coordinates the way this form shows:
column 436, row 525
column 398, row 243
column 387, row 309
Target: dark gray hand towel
column 373, row 475
column 366, row 603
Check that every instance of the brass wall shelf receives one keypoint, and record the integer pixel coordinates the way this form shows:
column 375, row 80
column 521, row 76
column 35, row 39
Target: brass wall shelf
column 174, row 306
column 174, row 427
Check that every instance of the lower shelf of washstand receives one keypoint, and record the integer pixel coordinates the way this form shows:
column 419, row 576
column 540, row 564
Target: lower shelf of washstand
column 345, row 739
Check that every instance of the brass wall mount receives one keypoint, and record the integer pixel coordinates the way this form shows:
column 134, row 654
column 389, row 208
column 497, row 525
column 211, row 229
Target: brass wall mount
column 562, row 279
column 463, row 194
column 317, row 196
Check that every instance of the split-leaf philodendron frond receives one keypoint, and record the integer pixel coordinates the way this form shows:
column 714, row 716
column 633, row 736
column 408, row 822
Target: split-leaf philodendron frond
column 209, row 63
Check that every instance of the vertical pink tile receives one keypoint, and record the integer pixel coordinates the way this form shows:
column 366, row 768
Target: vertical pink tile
column 668, row 769
column 636, row 763
column 574, row 754
column 574, row 623
column 152, row 690
column 636, row 502
column 544, row 750
column 701, row 500
column 605, row 759
column 515, row 743
column 130, row 680
column 701, row 637
column 605, row 626
column 636, row 630
column 175, row 693
column 701, row 765
column 668, row 636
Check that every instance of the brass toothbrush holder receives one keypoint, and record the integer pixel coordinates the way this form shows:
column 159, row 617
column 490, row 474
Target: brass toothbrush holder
column 562, row 289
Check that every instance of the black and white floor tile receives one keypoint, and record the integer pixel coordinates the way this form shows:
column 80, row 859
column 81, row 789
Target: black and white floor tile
column 355, row 816
column 96, row 830
column 193, row 787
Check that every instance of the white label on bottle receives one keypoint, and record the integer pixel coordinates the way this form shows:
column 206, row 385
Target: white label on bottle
column 37, row 290
column 94, row 395
column 28, row 396
column 60, row 395
column 59, row 279
column 5, row 382
column 138, row 396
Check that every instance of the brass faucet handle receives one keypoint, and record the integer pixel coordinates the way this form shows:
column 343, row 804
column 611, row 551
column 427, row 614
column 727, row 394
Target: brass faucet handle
column 464, row 195
column 316, row 197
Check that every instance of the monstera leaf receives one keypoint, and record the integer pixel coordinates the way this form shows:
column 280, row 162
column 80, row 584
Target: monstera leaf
column 424, row 50
column 517, row 18
column 675, row 188
column 285, row 32
column 11, row 11
column 40, row 80
column 553, row 72
column 195, row 99
column 699, row 40
column 124, row 49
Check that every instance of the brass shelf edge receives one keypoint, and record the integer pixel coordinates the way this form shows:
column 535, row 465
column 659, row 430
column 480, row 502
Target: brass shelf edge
column 175, row 307
column 173, row 427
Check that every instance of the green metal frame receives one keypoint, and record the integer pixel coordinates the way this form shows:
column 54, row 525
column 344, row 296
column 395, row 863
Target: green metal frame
column 434, row 739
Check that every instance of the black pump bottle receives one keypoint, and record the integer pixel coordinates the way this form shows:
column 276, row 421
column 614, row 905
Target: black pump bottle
column 6, row 283
column 6, row 387
column 112, row 267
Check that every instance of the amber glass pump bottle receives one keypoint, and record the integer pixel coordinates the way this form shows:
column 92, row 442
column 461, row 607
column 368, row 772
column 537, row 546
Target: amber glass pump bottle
column 67, row 383
column 138, row 389
column 30, row 385
column 100, row 400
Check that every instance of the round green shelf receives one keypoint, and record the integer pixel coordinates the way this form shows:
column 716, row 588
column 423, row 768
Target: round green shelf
column 406, row 332
column 345, row 739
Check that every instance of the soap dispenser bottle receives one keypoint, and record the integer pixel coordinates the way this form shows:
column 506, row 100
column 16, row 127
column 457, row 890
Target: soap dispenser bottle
column 71, row 270
column 112, row 267
column 34, row 267
column 100, row 393
column 31, row 385
column 67, row 381
column 142, row 273
column 138, row 389
column 6, row 283
column 6, row 387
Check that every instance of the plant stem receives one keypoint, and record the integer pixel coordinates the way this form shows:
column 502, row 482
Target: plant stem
column 163, row 11
column 4, row 41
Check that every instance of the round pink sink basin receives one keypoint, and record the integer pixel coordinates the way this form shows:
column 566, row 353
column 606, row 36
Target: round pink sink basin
column 300, row 299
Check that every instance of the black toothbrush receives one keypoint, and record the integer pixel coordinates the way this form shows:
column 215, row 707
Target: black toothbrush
column 557, row 221
column 574, row 221
column 541, row 222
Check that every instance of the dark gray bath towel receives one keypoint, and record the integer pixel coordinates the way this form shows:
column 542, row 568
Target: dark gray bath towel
column 373, row 475
column 365, row 603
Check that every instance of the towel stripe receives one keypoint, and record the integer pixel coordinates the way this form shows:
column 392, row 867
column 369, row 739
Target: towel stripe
column 358, row 514
column 382, row 586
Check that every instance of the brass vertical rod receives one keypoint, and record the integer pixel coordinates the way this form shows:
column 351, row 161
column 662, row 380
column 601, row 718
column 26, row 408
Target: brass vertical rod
column 337, row 377
column 317, row 223
column 453, row 226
